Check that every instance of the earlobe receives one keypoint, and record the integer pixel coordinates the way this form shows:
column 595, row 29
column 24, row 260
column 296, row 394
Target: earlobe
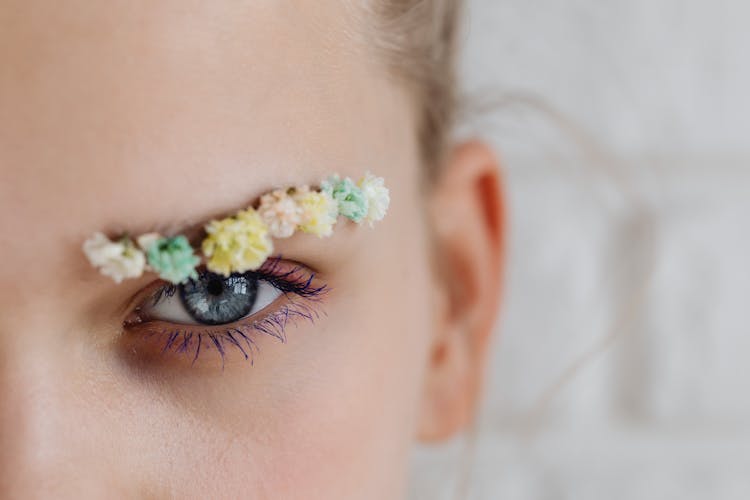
column 468, row 222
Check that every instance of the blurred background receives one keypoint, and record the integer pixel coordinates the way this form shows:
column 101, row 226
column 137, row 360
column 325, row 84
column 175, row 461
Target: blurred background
column 621, row 365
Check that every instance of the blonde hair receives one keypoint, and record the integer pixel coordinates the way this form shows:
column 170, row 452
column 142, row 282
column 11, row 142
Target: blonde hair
column 419, row 39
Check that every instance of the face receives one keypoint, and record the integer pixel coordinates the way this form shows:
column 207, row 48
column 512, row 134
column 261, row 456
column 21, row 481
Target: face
column 122, row 116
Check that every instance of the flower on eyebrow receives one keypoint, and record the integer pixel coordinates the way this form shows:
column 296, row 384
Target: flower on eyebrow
column 237, row 244
column 172, row 258
column 377, row 195
column 319, row 212
column 116, row 259
column 243, row 241
column 351, row 201
column 280, row 212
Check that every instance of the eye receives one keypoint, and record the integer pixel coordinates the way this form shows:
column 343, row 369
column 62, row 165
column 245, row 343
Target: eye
column 222, row 314
column 213, row 299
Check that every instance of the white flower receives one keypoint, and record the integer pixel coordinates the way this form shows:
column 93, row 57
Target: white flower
column 378, row 197
column 118, row 260
column 280, row 212
column 146, row 240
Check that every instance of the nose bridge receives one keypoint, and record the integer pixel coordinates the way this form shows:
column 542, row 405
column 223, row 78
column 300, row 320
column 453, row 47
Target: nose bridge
column 48, row 435
column 33, row 432
column 58, row 437
column 54, row 422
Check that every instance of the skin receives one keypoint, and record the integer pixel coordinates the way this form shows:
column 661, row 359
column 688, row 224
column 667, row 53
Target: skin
column 127, row 115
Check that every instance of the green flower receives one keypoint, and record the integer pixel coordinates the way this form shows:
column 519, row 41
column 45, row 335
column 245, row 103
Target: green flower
column 173, row 259
column 351, row 201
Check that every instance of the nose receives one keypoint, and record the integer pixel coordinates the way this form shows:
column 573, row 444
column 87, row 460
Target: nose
column 27, row 441
column 48, row 438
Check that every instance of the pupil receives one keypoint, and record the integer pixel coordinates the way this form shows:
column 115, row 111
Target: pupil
column 215, row 286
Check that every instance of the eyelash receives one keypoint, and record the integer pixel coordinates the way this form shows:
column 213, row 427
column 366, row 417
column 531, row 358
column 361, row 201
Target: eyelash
column 294, row 283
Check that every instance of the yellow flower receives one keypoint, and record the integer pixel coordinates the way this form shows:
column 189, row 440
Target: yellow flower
column 319, row 212
column 237, row 244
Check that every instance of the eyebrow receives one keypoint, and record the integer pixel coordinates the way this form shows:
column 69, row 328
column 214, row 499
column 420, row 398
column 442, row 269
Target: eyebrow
column 193, row 228
column 193, row 231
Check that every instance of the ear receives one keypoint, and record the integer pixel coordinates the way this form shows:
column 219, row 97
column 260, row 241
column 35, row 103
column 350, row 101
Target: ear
column 468, row 220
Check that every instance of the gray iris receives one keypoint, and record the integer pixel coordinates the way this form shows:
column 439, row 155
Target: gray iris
column 213, row 299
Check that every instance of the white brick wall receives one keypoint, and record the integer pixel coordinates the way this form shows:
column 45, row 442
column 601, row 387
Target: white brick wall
column 650, row 251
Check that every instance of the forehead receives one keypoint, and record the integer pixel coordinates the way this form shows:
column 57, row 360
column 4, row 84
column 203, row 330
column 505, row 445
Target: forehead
column 121, row 112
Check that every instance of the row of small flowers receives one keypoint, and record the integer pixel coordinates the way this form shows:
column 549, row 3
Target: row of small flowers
column 242, row 242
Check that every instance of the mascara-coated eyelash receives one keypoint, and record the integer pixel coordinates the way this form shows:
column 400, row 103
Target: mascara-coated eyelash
column 226, row 312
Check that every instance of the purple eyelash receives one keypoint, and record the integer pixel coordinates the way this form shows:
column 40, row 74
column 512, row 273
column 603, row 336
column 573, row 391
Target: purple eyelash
column 294, row 283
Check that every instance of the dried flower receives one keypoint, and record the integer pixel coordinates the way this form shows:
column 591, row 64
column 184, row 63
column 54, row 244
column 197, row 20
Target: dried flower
column 172, row 258
column 280, row 212
column 319, row 212
column 352, row 203
column 116, row 259
column 377, row 195
column 237, row 244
